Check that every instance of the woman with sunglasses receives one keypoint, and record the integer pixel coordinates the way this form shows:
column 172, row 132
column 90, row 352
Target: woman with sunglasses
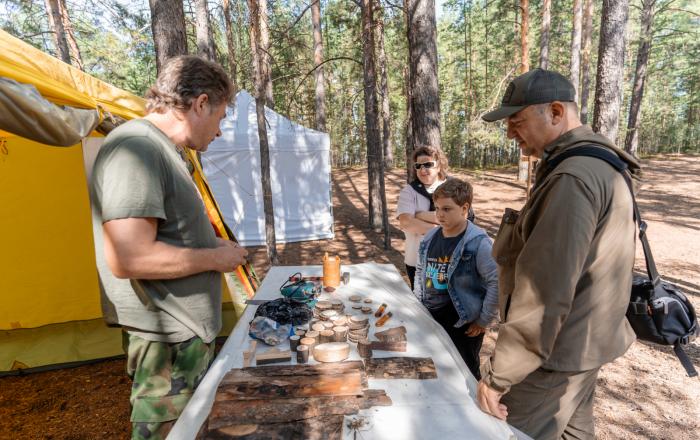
column 415, row 211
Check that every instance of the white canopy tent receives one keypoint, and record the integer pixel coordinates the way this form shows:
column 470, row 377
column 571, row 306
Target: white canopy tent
column 299, row 169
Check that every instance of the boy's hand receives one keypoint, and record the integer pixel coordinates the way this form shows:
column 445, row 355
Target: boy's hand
column 474, row 330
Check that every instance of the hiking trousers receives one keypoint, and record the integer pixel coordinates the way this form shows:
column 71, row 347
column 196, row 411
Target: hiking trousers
column 550, row 405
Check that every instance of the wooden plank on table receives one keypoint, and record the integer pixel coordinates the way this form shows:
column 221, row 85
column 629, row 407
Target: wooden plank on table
column 316, row 428
column 273, row 387
column 296, row 370
column 237, row 412
column 401, row 368
column 389, row 346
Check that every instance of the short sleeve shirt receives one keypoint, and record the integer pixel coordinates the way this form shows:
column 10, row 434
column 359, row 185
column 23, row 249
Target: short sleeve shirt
column 439, row 256
column 139, row 173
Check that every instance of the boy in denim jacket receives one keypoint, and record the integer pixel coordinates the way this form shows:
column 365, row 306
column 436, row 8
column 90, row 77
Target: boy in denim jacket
column 456, row 277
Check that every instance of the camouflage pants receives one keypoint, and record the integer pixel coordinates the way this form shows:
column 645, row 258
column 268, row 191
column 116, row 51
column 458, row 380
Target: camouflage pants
column 165, row 376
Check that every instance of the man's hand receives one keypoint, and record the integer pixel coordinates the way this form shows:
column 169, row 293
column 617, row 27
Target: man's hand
column 229, row 255
column 474, row 330
column 489, row 401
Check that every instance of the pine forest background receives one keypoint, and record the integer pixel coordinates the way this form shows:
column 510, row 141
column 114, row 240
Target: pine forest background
column 479, row 45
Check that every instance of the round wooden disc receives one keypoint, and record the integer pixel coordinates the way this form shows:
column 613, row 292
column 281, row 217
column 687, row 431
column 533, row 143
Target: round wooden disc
column 367, row 310
column 357, row 306
column 327, row 325
column 323, row 305
column 332, row 352
column 329, row 314
column 312, row 334
column 306, row 341
column 340, row 321
column 368, row 301
column 355, row 298
column 318, row 327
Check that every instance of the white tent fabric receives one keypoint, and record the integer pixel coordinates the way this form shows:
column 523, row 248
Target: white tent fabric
column 300, row 176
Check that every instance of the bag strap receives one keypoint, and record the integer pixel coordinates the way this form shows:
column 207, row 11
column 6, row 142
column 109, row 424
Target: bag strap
column 685, row 360
column 620, row 166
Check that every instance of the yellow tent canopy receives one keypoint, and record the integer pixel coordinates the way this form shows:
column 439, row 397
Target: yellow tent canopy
column 49, row 289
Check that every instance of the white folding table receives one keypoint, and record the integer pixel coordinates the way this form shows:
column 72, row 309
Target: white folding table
column 442, row 408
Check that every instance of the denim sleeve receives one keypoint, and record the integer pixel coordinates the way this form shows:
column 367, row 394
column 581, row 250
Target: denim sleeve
column 488, row 271
column 419, row 280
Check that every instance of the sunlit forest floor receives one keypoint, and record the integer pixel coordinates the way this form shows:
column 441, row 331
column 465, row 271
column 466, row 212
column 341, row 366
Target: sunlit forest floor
column 644, row 394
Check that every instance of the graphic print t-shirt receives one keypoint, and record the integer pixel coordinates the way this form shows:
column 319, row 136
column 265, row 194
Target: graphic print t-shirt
column 439, row 256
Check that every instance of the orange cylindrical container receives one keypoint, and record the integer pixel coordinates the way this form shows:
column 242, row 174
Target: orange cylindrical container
column 331, row 271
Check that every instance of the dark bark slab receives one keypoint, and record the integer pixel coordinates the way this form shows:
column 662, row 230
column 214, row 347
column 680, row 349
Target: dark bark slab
column 401, row 368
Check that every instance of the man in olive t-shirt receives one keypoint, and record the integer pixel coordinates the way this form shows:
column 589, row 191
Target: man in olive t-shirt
column 156, row 234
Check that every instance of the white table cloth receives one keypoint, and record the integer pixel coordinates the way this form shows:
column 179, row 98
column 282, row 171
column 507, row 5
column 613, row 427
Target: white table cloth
column 442, row 408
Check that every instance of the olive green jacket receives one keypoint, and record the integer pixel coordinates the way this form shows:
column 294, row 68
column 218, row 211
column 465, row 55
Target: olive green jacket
column 565, row 268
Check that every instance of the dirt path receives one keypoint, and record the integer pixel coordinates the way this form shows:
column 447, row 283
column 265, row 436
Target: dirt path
column 644, row 394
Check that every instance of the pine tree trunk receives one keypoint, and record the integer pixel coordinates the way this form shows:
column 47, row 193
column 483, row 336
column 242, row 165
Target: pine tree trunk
column 230, row 43
column 422, row 47
column 168, row 27
column 374, row 144
column 70, row 36
column 611, row 58
column 409, row 141
column 586, row 58
column 318, row 59
column 640, row 75
column 245, row 75
column 544, row 38
column 524, row 164
column 384, row 90
column 205, row 41
column 264, row 52
column 53, row 10
column 575, row 64
column 255, row 9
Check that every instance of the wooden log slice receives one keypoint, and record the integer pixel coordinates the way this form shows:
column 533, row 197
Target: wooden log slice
column 318, row 327
column 364, row 348
column 340, row 321
column 340, row 333
column 331, row 352
column 326, row 336
column 355, row 298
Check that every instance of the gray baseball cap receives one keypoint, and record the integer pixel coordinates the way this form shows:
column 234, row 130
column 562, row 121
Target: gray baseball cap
column 537, row 86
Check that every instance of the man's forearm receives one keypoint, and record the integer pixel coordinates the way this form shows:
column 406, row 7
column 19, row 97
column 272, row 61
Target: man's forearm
column 163, row 261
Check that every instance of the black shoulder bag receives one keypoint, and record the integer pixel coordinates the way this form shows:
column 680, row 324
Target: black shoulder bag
column 658, row 311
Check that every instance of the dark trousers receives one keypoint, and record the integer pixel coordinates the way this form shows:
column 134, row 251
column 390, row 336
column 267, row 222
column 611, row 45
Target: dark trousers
column 411, row 271
column 468, row 346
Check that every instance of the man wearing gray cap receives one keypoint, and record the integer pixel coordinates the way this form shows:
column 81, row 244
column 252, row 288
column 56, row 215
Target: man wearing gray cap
column 565, row 265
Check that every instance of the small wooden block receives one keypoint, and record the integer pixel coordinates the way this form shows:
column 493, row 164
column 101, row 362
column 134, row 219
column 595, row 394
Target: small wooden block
column 273, row 357
column 395, row 334
column 399, row 346
column 248, row 354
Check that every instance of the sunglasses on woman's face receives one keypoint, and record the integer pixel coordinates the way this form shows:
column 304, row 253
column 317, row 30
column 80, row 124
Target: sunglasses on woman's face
column 426, row 165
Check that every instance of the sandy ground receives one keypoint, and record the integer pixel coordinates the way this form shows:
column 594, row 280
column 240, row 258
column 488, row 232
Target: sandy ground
column 644, row 394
